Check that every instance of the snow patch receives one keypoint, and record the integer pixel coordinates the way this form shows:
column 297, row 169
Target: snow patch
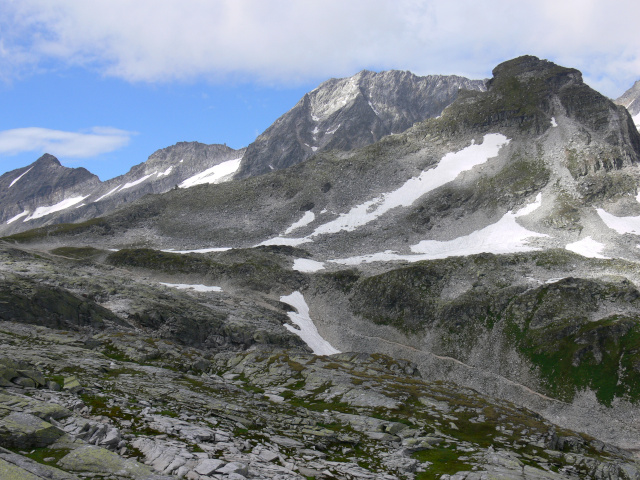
column 451, row 165
column 306, row 330
column 292, row 242
column 216, row 174
column 137, row 182
column 166, row 172
column 64, row 204
column 12, row 183
column 553, row 122
column 636, row 120
column 504, row 236
column 307, row 266
column 108, row 193
column 306, row 219
column 331, row 132
column 197, row 287
column 587, row 247
column 200, row 250
column 20, row 215
column 621, row 225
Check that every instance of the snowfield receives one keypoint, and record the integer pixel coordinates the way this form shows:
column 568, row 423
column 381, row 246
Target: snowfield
column 621, row 225
column 196, row 287
column 107, row 194
column 13, row 183
column 137, row 182
column 18, row 216
column 306, row 219
column 200, row 250
column 63, row 205
column 587, row 247
column 216, row 174
column 504, row 236
column 307, row 266
column 449, row 167
column 306, row 330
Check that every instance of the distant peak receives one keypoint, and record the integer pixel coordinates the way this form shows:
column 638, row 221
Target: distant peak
column 48, row 159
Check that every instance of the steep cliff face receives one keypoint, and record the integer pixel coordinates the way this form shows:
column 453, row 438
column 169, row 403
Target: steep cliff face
column 348, row 113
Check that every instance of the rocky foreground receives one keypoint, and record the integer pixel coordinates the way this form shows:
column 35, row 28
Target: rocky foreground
column 116, row 405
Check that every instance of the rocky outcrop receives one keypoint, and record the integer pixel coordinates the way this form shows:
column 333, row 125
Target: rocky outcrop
column 274, row 414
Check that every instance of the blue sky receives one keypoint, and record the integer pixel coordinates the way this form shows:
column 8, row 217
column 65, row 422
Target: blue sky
column 105, row 83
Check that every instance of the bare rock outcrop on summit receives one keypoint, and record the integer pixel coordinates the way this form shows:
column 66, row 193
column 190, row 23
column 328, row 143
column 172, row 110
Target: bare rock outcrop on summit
column 347, row 113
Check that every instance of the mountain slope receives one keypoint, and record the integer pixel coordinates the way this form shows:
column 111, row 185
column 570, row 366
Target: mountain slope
column 46, row 192
column 343, row 114
column 494, row 246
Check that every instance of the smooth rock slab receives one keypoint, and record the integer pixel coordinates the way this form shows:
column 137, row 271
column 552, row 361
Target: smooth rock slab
column 234, row 467
column 24, row 382
column 17, row 467
column 102, row 461
column 24, row 431
column 9, row 471
column 286, row 442
column 208, row 466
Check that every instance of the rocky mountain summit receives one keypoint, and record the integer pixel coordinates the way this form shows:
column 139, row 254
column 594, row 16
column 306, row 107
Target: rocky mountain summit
column 347, row 113
column 631, row 101
column 457, row 301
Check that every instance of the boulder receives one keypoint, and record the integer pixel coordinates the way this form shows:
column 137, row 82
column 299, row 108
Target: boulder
column 25, row 431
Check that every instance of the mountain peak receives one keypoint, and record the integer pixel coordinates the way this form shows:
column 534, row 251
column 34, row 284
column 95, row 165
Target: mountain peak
column 47, row 160
column 527, row 67
column 631, row 101
column 346, row 113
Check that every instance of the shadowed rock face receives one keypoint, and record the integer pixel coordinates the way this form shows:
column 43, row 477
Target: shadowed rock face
column 348, row 113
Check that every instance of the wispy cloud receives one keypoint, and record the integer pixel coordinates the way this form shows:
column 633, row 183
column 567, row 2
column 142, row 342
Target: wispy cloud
column 290, row 41
column 88, row 144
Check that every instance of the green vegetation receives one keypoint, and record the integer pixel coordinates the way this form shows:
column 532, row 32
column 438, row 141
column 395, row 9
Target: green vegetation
column 259, row 269
column 444, row 460
column 603, row 356
column 551, row 325
column 78, row 253
column 97, row 226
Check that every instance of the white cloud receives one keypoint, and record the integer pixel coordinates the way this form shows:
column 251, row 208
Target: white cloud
column 290, row 41
column 64, row 144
